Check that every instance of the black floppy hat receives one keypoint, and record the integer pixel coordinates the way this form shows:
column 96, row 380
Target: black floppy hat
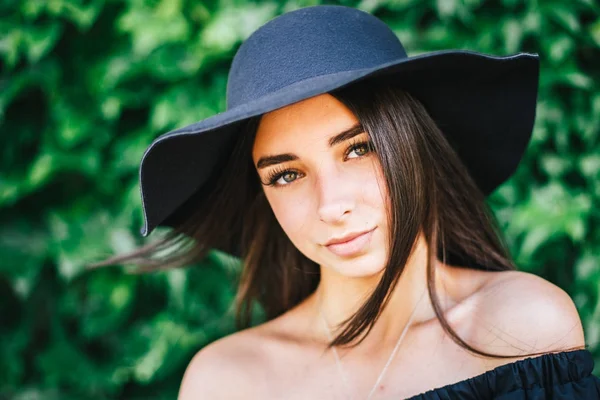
column 484, row 104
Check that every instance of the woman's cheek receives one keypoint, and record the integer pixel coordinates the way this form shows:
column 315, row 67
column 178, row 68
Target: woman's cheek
column 294, row 217
column 374, row 193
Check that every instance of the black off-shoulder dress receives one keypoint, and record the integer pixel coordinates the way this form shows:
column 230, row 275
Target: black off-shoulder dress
column 556, row 376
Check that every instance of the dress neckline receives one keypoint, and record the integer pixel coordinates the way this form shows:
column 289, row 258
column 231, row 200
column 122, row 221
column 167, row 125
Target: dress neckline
column 550, row 368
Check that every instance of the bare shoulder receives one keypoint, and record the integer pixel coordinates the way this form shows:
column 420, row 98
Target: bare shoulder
column 228, row 368
column 520, row 312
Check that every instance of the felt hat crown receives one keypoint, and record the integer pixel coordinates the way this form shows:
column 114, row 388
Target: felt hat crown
column 484, row 104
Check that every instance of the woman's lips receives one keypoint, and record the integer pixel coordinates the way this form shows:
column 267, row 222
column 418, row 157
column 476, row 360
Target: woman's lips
column 352, row 246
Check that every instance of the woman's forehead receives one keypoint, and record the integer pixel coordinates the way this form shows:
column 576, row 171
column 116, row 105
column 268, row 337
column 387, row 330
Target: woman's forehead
column 313, row 119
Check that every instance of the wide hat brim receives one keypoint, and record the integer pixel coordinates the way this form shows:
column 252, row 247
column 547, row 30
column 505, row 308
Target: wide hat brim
column 485, row 105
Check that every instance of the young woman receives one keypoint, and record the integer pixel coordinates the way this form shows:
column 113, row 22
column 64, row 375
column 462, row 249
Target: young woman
column 351, row 180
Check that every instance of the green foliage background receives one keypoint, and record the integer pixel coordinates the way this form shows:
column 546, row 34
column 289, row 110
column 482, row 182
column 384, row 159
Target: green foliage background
column 85, row 85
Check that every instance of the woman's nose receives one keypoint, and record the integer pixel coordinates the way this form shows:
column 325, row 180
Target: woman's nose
column 333, row 213
column 336, row 199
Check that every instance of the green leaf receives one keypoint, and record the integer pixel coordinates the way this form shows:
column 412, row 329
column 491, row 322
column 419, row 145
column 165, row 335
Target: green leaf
column 154, row 27
column 554, row 165
column 10, row 41
column 595, row 31
column 446, row 8
column 566, row 16
column 513, row 35
column 232, row 25
column 41, row 170
column 39, row 40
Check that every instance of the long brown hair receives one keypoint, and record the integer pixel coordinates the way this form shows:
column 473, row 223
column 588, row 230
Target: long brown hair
column 430, row 191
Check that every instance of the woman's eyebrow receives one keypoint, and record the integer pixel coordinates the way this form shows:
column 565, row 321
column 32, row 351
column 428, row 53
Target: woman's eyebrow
column 355, row 130
column 267, row 161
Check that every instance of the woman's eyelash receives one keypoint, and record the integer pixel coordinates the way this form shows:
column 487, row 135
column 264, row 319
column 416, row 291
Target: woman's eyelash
column 277, row 173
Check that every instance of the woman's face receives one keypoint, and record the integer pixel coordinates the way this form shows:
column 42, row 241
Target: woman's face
column 324, row 184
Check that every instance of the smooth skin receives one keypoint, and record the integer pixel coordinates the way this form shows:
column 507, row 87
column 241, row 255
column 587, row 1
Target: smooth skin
column 329, row 188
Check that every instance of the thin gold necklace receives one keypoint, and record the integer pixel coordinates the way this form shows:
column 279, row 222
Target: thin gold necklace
column 389, row 361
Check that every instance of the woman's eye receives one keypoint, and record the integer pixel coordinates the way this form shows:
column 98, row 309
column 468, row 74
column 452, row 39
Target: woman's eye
column 359, row 150
column 289, row 176
column 286, row 177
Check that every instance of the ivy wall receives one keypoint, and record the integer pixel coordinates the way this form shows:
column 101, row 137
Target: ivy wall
column 85, row 85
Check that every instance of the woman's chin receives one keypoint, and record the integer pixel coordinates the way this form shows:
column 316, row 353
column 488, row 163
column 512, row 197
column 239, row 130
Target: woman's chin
column 364, row 266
